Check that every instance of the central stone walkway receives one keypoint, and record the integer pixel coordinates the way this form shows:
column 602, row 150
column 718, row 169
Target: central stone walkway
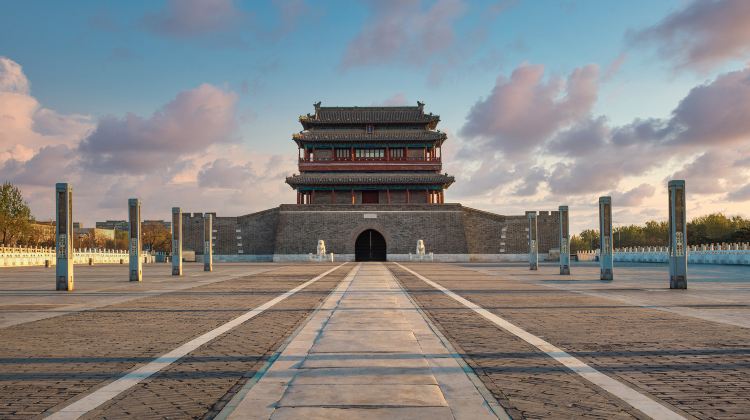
column 366, row 353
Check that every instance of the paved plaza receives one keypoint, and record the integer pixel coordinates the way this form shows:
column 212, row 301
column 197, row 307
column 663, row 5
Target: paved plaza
column 375, row 340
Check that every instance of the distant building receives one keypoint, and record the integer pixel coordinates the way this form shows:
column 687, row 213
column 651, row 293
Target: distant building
column 167, row 225
column 114, row 225
column 97, row 233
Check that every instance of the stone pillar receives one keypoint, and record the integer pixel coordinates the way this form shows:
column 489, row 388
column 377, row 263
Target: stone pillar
column 134, row 217
column 176, row 241
column 64, row 237
column 208, row 252
column 605, row 238
column 533, row 243
column 677, row 235
column 564, row 241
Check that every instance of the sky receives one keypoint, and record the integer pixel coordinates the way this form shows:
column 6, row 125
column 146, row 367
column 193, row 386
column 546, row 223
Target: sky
column 193, row 103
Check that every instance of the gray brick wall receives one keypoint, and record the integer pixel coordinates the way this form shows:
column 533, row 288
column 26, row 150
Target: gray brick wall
column 485, row 232
column 489, row 233
column 446, row 229
column 258, row 231
column 441, row 227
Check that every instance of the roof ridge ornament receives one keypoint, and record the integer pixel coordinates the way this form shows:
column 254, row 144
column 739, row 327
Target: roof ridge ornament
column 420, row 105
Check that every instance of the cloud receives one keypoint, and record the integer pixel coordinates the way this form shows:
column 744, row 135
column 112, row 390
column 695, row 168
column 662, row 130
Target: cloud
column 191, row 18
column 582, row 139
column 716, row 112
column 702, row 35
column 49, row 165
column 189, row 124
column 48, row 122
column 634, row 197
column 602, row 170
column 530, row 184
column 742, row 194
column 221, row 173
column 25, row 126
column 710, row 114
column 520, row 113
column 716, row 162
column 403, row 31
column 614, row 67
column 12, row 79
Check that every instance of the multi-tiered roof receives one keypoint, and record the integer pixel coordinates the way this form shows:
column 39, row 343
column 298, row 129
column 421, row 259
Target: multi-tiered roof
column 393, row 148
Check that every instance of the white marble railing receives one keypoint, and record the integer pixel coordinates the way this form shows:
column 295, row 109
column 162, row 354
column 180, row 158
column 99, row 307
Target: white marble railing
column 39, row 256
column 731, row 254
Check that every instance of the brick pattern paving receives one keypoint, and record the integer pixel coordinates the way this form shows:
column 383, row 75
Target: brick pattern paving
column 699, row 367
column 526, row 382
column 45, row 363
column 199, row 385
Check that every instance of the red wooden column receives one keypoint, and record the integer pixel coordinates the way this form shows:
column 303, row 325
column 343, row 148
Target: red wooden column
column 408, row 196
column 388, row 194
column 297, row 197
column 333, row 196
column 354, row 198
column 352, row 157
column 387, row 154
column 312, row 195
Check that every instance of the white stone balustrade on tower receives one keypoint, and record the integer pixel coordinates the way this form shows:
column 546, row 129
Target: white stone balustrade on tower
column 728, row 254
column 38, row 256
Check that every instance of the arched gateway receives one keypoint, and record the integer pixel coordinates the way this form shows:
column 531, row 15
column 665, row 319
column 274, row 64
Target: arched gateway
column 370, row 246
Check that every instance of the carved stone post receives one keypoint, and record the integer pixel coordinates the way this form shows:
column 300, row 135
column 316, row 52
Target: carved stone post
column 677, row 235
column 605, row 238
column 176, row 241
column 64, row 236
column 134, row 217
column 208, row 253
column 533, row 243
column 564, row 241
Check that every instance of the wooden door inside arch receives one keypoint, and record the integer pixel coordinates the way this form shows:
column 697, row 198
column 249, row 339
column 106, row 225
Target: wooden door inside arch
column 370, row 246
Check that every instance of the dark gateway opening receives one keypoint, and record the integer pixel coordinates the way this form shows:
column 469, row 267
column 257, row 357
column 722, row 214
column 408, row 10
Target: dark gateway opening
column 370, row 246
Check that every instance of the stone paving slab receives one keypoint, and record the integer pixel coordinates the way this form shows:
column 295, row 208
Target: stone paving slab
column 361, row 395
column 697, row 367
column 370, row 341
column 383, row 370
column 359, row 360
column 388, row 375
column 46, row 363
column 395, row 413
